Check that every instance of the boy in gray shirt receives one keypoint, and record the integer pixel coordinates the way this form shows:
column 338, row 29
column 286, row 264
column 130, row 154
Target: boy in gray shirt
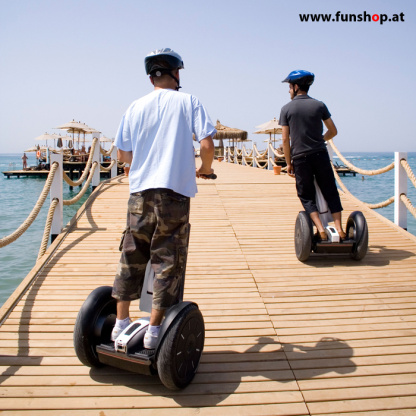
column 305, row 149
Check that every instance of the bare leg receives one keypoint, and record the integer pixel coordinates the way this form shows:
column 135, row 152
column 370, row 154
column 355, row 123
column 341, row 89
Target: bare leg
column 156, row 316
column 337, row 221
column 317, row 221
column 123, row 309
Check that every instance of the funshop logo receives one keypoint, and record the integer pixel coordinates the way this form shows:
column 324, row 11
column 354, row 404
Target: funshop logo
column 379, row 18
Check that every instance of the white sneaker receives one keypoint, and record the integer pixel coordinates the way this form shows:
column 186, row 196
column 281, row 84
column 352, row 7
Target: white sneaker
column 118, row 329
column 150, row 341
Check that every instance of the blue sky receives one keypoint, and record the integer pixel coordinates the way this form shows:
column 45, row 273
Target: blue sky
column 83, row 60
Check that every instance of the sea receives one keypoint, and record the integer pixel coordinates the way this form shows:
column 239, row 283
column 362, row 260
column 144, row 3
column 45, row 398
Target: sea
column 19, row 196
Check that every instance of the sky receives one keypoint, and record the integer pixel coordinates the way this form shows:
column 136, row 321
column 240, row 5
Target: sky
column 83, row 60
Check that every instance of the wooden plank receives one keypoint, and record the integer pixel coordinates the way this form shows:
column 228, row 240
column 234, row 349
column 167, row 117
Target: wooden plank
column 330, row 336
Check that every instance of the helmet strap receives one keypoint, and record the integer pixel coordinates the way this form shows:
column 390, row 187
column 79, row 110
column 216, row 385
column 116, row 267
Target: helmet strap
column 177, row 81
column 295, row 93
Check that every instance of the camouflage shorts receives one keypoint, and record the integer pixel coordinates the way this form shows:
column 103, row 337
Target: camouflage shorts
column 157, row 229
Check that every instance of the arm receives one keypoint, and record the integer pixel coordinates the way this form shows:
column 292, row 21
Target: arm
column 286, row 150
column 124, row 157
column 207, row 150
column 332, row 130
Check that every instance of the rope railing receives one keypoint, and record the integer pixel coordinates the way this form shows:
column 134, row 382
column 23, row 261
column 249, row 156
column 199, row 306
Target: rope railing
column 382, row 204
column 409, row 171
column 258, row 154
column 35, row 211
column 408, row 204
column 69, row 181
column 108, row 168
column 107, row 152
column 357, row 169
column 261, row 163
column 247, row 154
column 84, row 188
column 47, row 229
column 276, row 153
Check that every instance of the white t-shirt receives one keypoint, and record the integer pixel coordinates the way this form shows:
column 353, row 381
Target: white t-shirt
column 158, row 129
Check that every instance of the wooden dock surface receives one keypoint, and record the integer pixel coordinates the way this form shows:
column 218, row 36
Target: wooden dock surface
column 329, row 337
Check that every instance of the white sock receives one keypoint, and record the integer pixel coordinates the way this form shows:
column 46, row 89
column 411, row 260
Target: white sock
column 153, row 330
column 122, row 323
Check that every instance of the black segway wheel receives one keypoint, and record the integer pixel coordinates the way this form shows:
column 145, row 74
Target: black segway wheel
column 181, row 349
column 94, row 324
column 357, row 231
column 303, row 236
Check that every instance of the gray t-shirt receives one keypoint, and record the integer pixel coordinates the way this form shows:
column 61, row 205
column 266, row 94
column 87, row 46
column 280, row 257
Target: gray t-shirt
column 304, row 116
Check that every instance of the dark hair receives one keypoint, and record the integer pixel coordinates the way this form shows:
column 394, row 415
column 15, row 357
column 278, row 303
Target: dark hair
column 302, row 87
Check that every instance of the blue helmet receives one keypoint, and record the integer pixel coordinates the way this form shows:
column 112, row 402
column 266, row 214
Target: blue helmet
column 300, row 77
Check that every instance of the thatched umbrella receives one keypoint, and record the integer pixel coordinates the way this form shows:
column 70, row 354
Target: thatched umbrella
column 224, row 132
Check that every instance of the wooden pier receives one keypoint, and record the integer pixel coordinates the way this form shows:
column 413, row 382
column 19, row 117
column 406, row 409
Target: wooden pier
column 329, row 337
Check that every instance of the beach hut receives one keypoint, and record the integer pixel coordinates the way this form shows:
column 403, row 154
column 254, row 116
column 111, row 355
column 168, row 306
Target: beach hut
column 233, row 136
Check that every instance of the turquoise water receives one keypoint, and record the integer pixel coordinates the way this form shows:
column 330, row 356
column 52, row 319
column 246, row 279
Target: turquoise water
column 20, row 195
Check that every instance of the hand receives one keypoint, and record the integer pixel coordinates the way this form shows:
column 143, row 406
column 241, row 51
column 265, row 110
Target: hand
column 290, row 170
column 202, row 172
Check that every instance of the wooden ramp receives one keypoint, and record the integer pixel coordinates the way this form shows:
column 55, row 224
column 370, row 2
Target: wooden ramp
column 330, row 337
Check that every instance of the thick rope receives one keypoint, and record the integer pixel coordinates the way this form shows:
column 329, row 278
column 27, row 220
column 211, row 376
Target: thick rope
column 372, row 206
column 276, row 153
column 408, row 204
column 239, row 152
column 409, row 171
column 358, row 170
column 259, row 163
column 84, row 188
column 69, row 181
column 48, row 225
column 247, row 154
column 258, row 153
column 35, row 211
column 249, row 163
column 271, row 159
column 107, row 152
column 108, row 168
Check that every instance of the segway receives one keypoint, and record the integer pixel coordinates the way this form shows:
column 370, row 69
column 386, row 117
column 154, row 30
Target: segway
column 355, row 244
column 181, row 339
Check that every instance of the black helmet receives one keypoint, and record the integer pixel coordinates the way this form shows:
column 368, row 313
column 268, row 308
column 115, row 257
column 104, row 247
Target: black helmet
column 300, row 77
column 162, row 60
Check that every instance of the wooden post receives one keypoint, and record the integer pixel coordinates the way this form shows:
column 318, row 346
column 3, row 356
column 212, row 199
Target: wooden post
column 253, row 155
column 243, row 158
column 400, row 187
column 57, row 190
column 96, row 158
column 235, row 155
column 114, row 157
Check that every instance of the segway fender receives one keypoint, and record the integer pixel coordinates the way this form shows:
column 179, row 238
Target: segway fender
column 170, row 316
column 357, row 229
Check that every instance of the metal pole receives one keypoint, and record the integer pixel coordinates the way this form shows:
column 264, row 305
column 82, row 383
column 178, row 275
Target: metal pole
column 400, row 187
